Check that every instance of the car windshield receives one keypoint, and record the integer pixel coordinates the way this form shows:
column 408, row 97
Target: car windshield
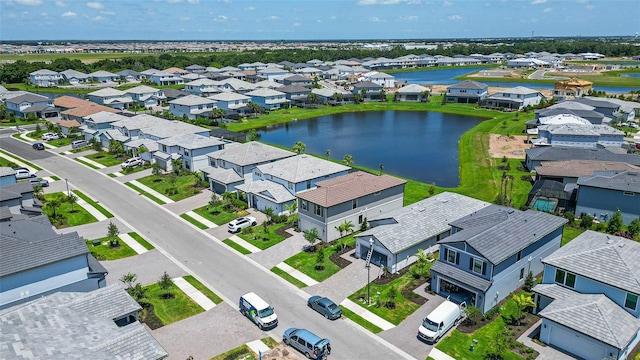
column 332, row 307
column 430, row 325
column 266, row 312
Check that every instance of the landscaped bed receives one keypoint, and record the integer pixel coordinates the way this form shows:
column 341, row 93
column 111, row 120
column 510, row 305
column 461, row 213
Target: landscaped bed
column 176, row 188
column 220, row 214
column 106, row 159
column 160, row 310
column 264, row 239
column 103, row 251
column 64, row 213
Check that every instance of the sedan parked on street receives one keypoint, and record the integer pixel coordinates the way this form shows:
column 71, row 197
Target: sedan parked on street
column 38, row 146
column 325, row 306
column 235, row 226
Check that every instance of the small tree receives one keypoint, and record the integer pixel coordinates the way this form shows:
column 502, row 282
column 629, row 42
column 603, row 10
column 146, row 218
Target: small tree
column 156, row 169
column 268, row 211
column 72, row 199
column 340, row 229
column 253, row 135
column 311, row 235
column 115, row 147
column 586, row 221
column 299, row 147
column 348, row 160
column 471, row 312
column 292, row 208
column 38, row 128
column 95, row 144
column 529, row 282
column 215, row 201
column 421, row 260
column 327, row 153
column 128, row 279
column 137, row 292
column 615, row 223
column 112, row 235
column 320, row 259
column 392, row 293
column 53, row 204
column 431, row 189
column 347, row 226
column 570, row 216
column 381, row 168
column 365, row 225
column 522, row 301
column 634, row 227
column 176, row 166
column 165, row 284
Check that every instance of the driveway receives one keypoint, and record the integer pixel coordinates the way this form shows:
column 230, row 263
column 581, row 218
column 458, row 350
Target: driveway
column 149, row 267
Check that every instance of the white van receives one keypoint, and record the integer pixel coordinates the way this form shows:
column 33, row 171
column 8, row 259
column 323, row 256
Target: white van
column 79, row 144
column 258, row 311
column 440, row 320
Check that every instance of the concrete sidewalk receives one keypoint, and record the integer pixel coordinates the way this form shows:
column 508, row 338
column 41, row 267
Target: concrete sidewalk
column 93, row 211
column 89, row 161
column 439, row 355
column 238, row 240
column 258, row 346
column 367, row 315
column 151, row 191
column 201, row 219
column 296, row 274
column 194, row 294
column 132, row 243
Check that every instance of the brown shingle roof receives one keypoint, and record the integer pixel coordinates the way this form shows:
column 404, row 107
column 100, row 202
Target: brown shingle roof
column 68, row 123
column 87, row 110
column 348, row 187
column 577, row 168
column 70, row 102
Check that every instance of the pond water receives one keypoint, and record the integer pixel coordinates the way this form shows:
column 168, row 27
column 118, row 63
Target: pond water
column 422, row 146
column 634, row 75
column 446, row 77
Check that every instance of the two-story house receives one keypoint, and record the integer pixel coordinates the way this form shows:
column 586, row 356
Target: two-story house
column 268, row 98
column 146, row 95
column 604, row 192
column 578, row 135
column 468, row 92
column 292, row 174
column 235, row 164
column 490, row 252
column 98, row 123
column 163, row 78
column 399, row 234
column 38, row 267
column 516, row 98
column 535, row 156
column 45, row 78
column 368, row 90
column 192, row 106
column 202, row 87
column 588, row 298
column 104, row 76
column 354, row 197
column 23, row 105
column 192, row 150
column 111, row 97
column 229, row 100
column 271, row 73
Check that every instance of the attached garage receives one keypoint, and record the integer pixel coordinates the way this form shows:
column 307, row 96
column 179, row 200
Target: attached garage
column 576, row 343
column 377, row 258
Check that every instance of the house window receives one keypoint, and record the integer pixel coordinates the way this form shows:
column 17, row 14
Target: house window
column 451, row 256
column 519, row 255
column 186, row 152
column 308, row 184
column 360, row 219
column 257, row 174
column 631, row 302
column 305, row 205
column 164, row 148
column 478, row 265
column 354, row 204
column 565, row 278
column 521, row 273
column 318, row 210
column 290, row 185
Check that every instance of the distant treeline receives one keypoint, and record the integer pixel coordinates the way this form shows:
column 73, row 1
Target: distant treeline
column 19, row 71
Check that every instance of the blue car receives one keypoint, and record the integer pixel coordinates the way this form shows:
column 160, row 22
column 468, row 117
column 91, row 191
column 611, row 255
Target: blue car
column 324, row 306
column 308, row 343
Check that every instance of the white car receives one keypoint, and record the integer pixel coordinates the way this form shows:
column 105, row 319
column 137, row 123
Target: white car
column 24, row 174
column 50, row 136
column 240, row 223
column 133, row 162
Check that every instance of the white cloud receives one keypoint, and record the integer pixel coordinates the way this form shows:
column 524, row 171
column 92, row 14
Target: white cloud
column 97, row 18
column 193, row 1
column 590, row 7
column 487, row 4
column 547, row 10
column 95, row 5
column 186, row 18
column 414, row 2
column 11, row 16
column 250, row 8
column 224, row 1
column 272, row 18
column 374, row 19
column 69, row 14
column 447, row 3
column 378, row 2
column 220, row 18
column 296, row 24
column 60, row 4
column 455, row 17
column 44, row 14
column 104, row 12
column 29, row 2
column 407, row 18
column 537, row 2
column 319, row 21
column 333, row 18
column 582, row 1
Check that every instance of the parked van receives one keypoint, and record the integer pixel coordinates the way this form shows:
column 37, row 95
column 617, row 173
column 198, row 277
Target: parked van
column 258, row 311
column 440, row 320
column 77, row 144
column 308, row 343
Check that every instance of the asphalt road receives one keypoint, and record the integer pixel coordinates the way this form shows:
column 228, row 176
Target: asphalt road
column 229, row 274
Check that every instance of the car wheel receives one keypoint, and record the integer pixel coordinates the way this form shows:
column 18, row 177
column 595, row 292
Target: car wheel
column 244, row 313
column 308, row 355
column 254, row 223
column 285, row 341
column 326, row 316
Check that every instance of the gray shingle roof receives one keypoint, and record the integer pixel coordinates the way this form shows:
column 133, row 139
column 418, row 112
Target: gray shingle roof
column 222, row 175
column 269, row 189
column 608, row 259
column 506, row 232
column 553, row 153
column 460, row 275
column 614, row 180
column 469, row 84
column 553, row 291
column 250, row 153
column 192, row 100
column 418, row 222
column 28, row 97
column 77, row 326
column 596, row 316
column 301, row 168
column 191, row 141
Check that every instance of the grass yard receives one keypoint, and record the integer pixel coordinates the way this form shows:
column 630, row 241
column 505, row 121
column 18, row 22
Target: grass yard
column 12, row 157
column 194, row 222
column 67, row 214
column 305, row 262
column 162, row 184
column 106, row 159
column 105, row 252
column 360, row 321
column 60, row 142
column 237, row 247
column 242, row 352
column 218, row 215
column 141, row 240
column 570, row 233
column 283, row 274
column 203, row 289
column 86, row 164
column 171, row 310
column 144, row 193
column 90, row 201
column 257, row 236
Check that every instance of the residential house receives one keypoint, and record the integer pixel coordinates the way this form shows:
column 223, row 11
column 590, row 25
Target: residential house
column 67, row 102
column 192, row 106
column 571, row 88
column 17, row 197
column 172, row 94
column 74, row 77
column 271, row 73
column 98, row 123
column 526, row 63
column 295, row 94
column 294, row 174
column 236, row 85
column 202, row 87
column 578, row 135
column 468, row 92
column 117, row 99
column 146, row 96
column 129, row 75
column 516, row 98
column 603, row 106
column 382, row 79
column 413, row 92
column 191, row 148
column 268, row 99
column 269, row 84
column 68, row 127
column 43, row 262
column 588, row 298
column 568, row 171
column 333, row 96
column 369, row 91
column 296, row 80
column 104, row 76
column 101, row 324
column 241, row 159
column 80, row 112
column 196, row 69
column 45, row 78
column 490, row 252
column 555, row 114
column 354, row 198
column 535, row 156
column 163, row 78
column 602, row 193
column 176, row 70
column 146, row 126
column 40, row 106
column 231, row 101
column 7, row 176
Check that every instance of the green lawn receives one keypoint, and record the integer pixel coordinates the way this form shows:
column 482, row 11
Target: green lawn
column 237, row 247
column 194, row 222
column 105, row 252
column 183, row 184
column 203, row 289
column 90, row 201
column 71, row 215
column 283, row 274
column 144, row 193
column 87, row 164
column 218, row 215
column 60, row 142
column 242, row 352
column 570, row 233
column 32, row 166
column 171, row 310
column 257, row 237
column 106, row 159
column 141, row 240
column 360, row 321
column 305, row 262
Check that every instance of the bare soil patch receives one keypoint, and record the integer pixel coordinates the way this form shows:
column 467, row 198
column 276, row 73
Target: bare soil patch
column 512, row 146
column 282, row 352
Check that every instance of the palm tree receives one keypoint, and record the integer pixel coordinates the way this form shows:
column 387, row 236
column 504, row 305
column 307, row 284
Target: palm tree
column 291, row 208
column 311, row 235
column 156, row 169
column 253, row 135
column 522, row 302
column 348, row 160
column 269, row 212
column 381, row 167
column 53, row 204
column 141, row 150
column 176, row 166
column 347, row 225
column 363, row 93
column 327, row 153
column 217, row 113
column 128, row 279
column 340, row 229
column 299, row 147
column 255, row 108
column 383, row 95
column 313, row 98
column 421, row 260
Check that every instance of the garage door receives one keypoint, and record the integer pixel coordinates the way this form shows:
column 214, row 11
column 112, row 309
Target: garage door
column 576, row 344
column 378, row 259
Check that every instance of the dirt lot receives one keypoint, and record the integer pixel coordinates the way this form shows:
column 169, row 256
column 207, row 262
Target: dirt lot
column 282, row 352
column 512, row 147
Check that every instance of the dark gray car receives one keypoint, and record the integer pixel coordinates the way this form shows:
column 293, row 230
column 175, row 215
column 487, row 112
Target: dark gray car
column 325, row 306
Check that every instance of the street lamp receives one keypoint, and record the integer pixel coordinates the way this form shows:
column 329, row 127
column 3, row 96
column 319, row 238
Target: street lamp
column 368, row 265
column 67, row 182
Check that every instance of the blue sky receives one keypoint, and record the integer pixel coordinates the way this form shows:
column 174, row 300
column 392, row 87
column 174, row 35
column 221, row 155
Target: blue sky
column 312, row 19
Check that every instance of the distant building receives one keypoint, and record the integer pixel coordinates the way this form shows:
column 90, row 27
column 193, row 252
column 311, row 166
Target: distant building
column 468, row 92
column 571, row 88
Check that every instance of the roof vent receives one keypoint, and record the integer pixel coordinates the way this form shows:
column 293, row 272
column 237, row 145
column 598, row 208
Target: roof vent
column 621, row 244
